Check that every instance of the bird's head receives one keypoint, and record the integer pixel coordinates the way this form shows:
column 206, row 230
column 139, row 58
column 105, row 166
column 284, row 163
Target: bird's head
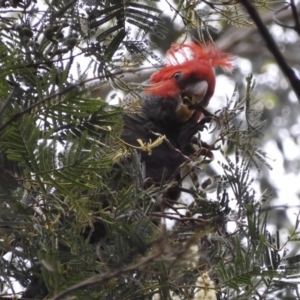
column 188, row 78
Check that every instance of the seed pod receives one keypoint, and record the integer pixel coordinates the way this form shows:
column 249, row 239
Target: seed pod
column 55, row 28
column 59, row 35
column 206, row 183
column 17, row 27
column 25, row 39
column 27, row 32
column 71, row 43
column 48, row 32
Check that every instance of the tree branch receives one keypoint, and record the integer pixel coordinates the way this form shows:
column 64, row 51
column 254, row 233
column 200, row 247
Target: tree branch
column 99, row 279
column 272, row 46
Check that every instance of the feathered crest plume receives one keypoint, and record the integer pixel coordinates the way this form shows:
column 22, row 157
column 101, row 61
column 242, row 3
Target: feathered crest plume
column 204, row 53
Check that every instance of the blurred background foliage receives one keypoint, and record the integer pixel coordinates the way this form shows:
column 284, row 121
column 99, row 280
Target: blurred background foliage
column 73, row 216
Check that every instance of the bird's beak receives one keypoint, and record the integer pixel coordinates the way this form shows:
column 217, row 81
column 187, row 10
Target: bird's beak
column 191, row 96
column 195, row 92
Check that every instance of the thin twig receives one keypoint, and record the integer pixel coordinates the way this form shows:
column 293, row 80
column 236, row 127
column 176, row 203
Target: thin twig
column 272, row 46
column 98, row 279
column 296, row 17
column 232, row 37
column 279, row 22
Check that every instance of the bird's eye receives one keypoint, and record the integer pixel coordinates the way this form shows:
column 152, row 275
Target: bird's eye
column 177, row 76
